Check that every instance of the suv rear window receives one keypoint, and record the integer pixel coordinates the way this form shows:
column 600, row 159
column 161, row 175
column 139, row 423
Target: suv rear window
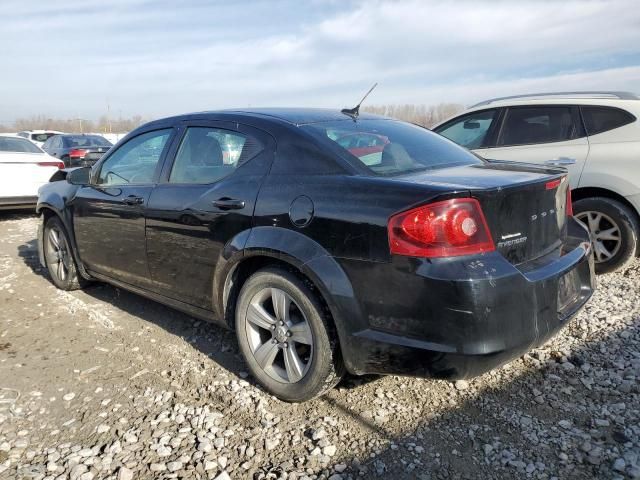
column 42, row 137
column 388, row 147
column 602, row 119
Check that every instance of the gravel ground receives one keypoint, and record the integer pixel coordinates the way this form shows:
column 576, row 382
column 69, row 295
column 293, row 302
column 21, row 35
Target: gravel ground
column 105, row 384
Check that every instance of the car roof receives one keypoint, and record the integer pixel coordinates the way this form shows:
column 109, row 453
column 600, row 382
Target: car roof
column 563, row 96
column 625, row 100
column 292, row 116
column 41, row 131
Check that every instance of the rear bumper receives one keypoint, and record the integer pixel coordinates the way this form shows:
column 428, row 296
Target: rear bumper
column 9, row 203
column 458, row 318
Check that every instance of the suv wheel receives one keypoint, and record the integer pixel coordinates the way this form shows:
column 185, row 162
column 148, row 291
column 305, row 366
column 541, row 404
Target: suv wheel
column 613, row 229
column 59, row 257
column 285, row 337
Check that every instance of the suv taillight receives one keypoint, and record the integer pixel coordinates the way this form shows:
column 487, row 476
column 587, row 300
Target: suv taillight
column 442, row 229
column 569, row 207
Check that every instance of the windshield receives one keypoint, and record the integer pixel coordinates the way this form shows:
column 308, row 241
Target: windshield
column 15, row 144
column 86, row 141
column 388, row 147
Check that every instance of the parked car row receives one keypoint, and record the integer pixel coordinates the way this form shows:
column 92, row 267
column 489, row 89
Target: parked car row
column 330, row 241
column 27, row 160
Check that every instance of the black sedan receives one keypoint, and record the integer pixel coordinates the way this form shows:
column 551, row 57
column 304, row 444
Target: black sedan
column 77, row 150
column 418, row 259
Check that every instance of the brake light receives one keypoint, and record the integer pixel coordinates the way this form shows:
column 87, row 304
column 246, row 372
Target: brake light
column 60, row 165
column 77, row 153
column 442, row 229
column 553, row 184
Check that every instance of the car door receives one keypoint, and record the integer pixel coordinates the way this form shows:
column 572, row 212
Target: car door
column 205, row 198
column 542, row 134
column 108, row 213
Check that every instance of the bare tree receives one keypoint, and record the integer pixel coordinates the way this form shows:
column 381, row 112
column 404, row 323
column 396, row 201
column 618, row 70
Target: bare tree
column 103, row 125
column 424, row 115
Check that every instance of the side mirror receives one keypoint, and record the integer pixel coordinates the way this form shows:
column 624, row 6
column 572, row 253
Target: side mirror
column 471, row 125
column 79, row 176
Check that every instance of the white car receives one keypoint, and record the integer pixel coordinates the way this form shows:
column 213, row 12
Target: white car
column 24, row 168
column 595, row 135
column 38, row 136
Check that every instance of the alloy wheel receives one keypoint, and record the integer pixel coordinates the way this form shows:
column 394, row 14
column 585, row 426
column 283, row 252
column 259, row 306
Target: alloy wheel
column 279, row 335
column 57, row 252
column 604, row 233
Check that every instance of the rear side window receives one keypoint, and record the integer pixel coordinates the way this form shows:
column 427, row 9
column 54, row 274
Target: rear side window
column 388, row 147
column 469, row 131
column 15, row 144
column 603, row 119
column 207, row 155
column 528, row 125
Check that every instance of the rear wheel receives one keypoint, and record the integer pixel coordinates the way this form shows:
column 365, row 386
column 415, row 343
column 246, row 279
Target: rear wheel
column 285, row 336
column 59, row 258
column 613, row 229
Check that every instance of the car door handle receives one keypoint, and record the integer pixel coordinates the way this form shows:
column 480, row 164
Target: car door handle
column 133, row 200
column 561, row 161
column 228, row 204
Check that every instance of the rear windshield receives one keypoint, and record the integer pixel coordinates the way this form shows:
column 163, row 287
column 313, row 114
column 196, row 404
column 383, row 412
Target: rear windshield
column 42, row 137
column 15, row 144
column 388, row 147
column 86, row 141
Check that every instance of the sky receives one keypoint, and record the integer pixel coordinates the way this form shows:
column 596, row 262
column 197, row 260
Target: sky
column 77, row 58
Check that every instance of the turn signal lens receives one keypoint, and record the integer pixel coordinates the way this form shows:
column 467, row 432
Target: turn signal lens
column 442, row 229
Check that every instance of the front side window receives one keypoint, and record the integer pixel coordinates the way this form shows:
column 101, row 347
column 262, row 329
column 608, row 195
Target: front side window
column 469, row 131
column 603, row 119
column 389, row 147
column 207, row 154
column 134, row 162
column 20, row 145
column 529, row 125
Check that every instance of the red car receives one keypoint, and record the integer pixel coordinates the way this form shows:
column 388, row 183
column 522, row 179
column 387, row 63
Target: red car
column 361, row 144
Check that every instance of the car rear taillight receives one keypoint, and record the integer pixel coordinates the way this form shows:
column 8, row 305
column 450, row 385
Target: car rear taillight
column 77, row 153
column 60, row 165
column 442, row 229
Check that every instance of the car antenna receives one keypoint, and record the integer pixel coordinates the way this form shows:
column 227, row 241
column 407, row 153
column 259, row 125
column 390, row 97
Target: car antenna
column 354, row 112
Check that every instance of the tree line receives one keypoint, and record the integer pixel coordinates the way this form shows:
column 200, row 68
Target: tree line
column 425, row 115
column 75, row 125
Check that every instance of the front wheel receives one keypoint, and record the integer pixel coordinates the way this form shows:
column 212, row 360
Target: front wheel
column 613, row 230
column 285, row 336
column 59, row 257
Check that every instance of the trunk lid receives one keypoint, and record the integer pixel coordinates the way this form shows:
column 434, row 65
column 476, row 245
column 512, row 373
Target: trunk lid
column 524, row 205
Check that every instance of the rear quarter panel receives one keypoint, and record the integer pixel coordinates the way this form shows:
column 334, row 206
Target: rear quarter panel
column 614, row 160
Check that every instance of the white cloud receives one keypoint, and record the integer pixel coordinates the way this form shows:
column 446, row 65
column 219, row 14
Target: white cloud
column 155, row 60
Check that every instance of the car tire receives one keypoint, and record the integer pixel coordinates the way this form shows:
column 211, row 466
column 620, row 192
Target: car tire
column 613, row 228
column 59, row 258
column 286, row 337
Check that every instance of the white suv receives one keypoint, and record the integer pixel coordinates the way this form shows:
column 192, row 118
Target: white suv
column 595, row 135
column 38, row 136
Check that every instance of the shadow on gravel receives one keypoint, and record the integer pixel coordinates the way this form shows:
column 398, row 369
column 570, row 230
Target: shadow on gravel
column 515, row 428
column 216, row 342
